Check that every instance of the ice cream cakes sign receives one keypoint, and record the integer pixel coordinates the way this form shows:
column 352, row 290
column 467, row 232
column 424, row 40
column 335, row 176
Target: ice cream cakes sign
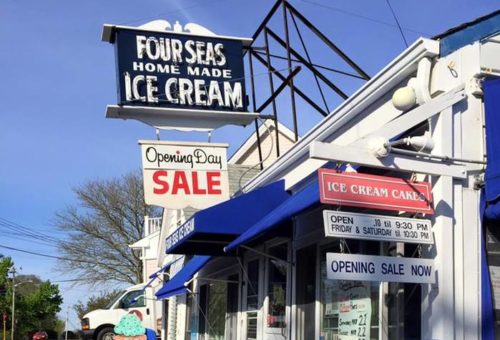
column 177, row 175
column 374, row 192
column 178, row 69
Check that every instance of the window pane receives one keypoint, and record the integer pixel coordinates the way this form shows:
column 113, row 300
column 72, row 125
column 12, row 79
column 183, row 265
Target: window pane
column 253, row 285
column 217, row 306
column 348, row 308
column 277, row 287
column 133, row 299
column 252, row 325
column 305, row 290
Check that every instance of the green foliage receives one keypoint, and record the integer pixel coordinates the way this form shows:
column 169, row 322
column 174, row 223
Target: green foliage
column 96, row 302
column 37, row 302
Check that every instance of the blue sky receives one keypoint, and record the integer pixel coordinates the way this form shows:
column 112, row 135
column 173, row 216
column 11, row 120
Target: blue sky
column 57, row 78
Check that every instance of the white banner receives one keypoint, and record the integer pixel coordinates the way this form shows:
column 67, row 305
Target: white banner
column 379, row 268
column 377, row 227
column 177, row 175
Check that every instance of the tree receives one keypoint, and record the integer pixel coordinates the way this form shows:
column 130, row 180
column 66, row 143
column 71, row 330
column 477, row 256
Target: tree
column 37, row 302
column 96, row 302
column 109, row 216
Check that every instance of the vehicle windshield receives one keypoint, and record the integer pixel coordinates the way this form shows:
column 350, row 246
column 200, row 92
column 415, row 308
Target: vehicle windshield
column 112, row 302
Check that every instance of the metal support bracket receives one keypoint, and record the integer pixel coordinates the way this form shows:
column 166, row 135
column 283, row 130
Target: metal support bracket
column 358, row 153
column 267, row 255
column 365, row 157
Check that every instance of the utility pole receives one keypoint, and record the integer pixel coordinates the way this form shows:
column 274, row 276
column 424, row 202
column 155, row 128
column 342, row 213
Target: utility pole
column 4, row 317
column 13, row 272
column 66, row 324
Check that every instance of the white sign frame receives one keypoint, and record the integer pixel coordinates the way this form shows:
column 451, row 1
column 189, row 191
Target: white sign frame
column 379, row 268
column 377, row 227
column 181, row 174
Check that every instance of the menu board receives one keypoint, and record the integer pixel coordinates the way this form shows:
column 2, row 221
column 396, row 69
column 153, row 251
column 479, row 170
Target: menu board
column 355, row 310
column 495, row 285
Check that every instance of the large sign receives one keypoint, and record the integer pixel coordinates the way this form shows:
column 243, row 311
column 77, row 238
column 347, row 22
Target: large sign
column 177, row 175
column 377, row 227
column 374, row 192
column 379, row 268
column 178, row 70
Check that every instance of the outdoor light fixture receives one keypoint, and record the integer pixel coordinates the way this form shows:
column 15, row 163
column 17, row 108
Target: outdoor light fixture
column 416, row 91
column 404, row 98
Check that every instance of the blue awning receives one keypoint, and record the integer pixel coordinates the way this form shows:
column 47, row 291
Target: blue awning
column 155, row 275
column 176, row 284
column 300, row 201
column 491, row 88
column 209, row 230
column 490, row 197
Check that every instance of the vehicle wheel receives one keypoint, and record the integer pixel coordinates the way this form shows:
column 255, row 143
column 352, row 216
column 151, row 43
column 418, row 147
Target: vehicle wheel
column 106, row 333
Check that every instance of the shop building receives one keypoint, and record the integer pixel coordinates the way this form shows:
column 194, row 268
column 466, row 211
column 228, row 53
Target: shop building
column 258, row 266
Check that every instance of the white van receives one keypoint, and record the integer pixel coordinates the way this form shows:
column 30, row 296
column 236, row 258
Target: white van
column 98, row 324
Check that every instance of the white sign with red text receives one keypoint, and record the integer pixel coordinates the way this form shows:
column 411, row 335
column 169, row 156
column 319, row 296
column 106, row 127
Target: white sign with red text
column 180, row 174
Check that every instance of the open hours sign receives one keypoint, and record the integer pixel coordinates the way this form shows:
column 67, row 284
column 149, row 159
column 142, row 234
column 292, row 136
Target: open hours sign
column 377, row 227
column 179, row 70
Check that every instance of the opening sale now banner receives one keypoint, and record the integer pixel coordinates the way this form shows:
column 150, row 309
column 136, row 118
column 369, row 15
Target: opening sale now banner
column 379, row 268
column 178, row 175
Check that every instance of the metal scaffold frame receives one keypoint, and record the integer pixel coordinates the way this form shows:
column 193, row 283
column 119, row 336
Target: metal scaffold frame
column 265, row 56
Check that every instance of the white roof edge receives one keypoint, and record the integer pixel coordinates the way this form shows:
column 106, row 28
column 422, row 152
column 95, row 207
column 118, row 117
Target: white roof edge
column 398, row 69
column 107, row 34
column 142, row 243
column 252, row 139
column 145, row 241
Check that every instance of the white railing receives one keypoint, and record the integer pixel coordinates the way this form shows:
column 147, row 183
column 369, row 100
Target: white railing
column 152, row 225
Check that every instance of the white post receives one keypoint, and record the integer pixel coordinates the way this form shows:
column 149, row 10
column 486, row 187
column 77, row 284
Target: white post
column 66, row 324
column 146, row 226
column 13, row 271
column 438, row 307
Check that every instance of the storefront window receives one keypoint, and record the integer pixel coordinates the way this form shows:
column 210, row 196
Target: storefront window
column 253, row 285
column 348, row 308
column 305, row 292
column 277, row 286
column 216, row 310
column 493, row 249
column 190, row 319
column 365, row 310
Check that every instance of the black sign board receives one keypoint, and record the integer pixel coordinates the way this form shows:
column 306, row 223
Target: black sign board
column 182, row 71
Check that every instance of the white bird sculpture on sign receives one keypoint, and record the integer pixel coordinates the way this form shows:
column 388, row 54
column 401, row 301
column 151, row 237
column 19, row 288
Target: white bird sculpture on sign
column 164, row 25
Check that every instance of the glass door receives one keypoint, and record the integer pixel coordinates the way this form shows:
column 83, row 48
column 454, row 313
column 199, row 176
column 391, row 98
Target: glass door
column 251, row 302
column 305, row 292
column 277, row 295
column 232, row 308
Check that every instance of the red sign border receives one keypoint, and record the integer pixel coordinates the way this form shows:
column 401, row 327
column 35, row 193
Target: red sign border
column 394, row 180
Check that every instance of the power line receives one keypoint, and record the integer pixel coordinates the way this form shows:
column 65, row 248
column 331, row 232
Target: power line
column 381, row 22
column 68, row 280
column 397, row 22
column 52, row 256
column 26, row 231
